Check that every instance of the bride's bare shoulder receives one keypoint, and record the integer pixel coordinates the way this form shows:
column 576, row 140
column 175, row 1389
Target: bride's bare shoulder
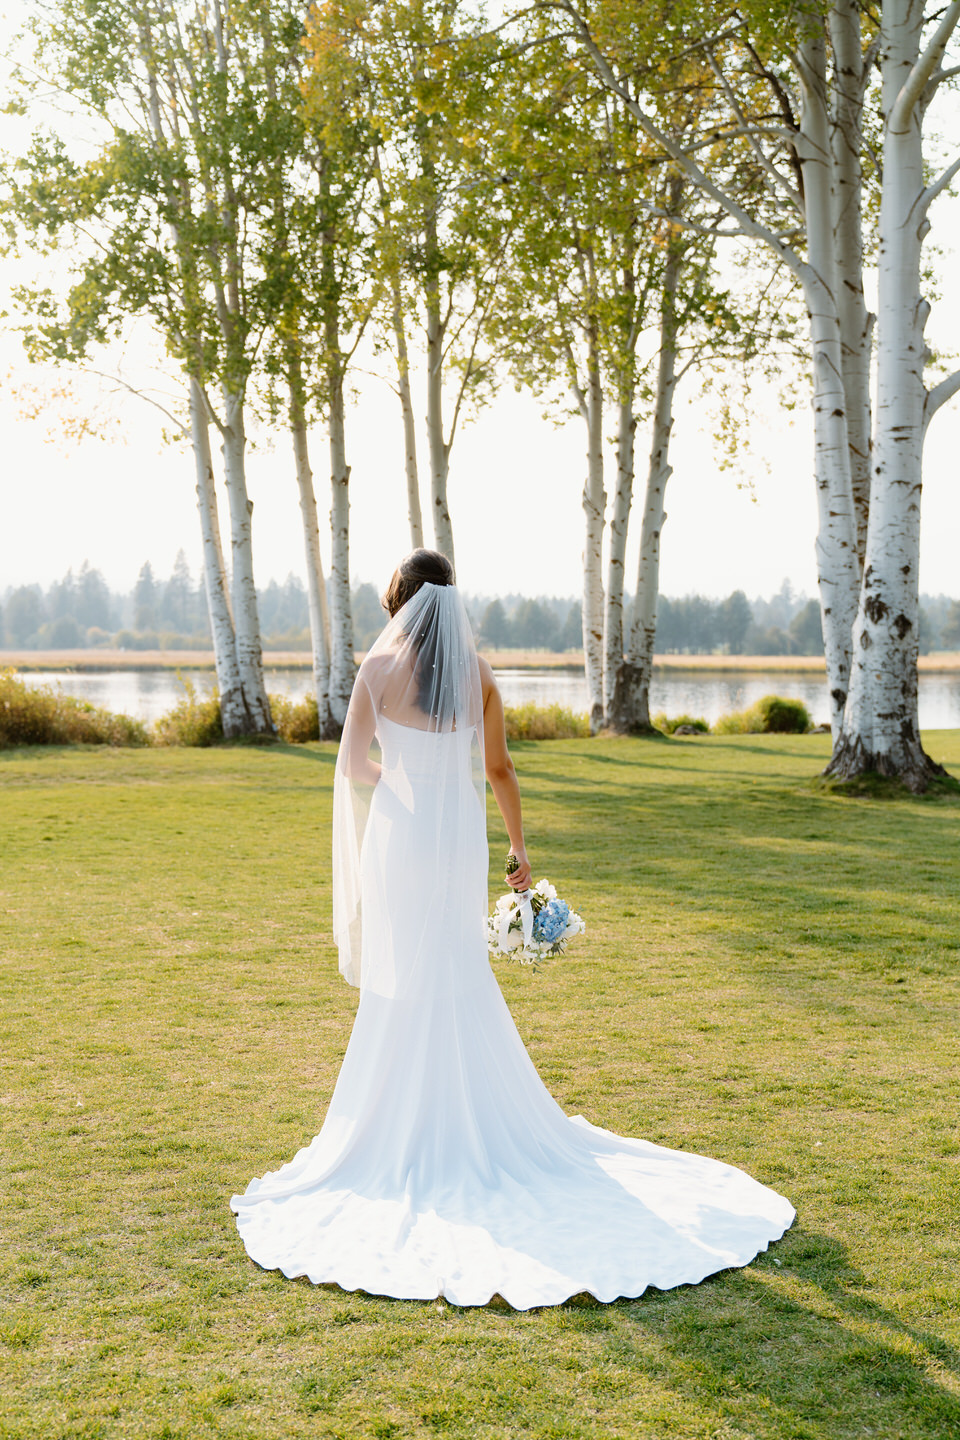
column 487, row 678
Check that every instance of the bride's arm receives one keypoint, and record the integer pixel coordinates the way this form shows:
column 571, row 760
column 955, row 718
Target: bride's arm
column 502, row 775
column 358, row 732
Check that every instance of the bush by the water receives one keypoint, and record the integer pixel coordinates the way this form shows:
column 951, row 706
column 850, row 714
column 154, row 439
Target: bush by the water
column 297, row 721
column 194, row 720
column 771, row 715
column 40, row 715
column 545, row 722
column 669, row 723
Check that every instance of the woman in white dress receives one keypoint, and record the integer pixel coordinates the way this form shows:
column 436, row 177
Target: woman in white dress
column 444, row 1167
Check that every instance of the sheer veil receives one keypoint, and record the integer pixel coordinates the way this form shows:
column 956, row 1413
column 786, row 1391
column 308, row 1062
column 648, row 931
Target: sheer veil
column 412, row 748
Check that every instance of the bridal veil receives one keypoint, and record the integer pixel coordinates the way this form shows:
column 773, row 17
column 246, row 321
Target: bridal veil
column 421, row 681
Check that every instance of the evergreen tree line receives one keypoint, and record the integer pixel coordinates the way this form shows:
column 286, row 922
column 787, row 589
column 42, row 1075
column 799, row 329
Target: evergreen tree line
column 81, row 610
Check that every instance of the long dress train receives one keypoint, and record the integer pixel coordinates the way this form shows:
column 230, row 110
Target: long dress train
column 444, row 1167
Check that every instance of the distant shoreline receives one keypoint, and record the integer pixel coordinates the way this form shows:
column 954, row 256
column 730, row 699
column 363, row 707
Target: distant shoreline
column 94, row 661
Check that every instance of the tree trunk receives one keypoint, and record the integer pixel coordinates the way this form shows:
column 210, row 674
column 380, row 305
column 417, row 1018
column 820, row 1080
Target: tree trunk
column 613, row 646
column 856, row 324
column 837, row 561
column 594, row 505
column 246, row 617
column 343, row 663
column 880, row 731
column 316, row 585
column 629, row 707
column 233, row 710
column 439, row 453
column 439, row 450
column 414, row 513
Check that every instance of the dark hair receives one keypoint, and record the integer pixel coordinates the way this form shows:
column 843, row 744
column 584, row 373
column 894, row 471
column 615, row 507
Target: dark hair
column 418, row 568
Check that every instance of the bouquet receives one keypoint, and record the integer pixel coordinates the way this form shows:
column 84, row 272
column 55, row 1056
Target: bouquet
column 532, row 925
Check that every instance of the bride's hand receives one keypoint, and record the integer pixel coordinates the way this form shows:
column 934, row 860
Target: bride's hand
column 519, row 879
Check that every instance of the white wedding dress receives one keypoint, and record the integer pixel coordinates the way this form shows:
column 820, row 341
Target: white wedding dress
column 444, row 1167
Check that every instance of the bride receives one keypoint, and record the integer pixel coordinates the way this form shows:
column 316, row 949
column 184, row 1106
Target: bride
column 444, row 1167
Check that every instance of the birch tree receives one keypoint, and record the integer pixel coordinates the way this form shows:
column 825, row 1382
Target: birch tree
column 320, row 260
column 428, row 89
column 787, row 205
column 874, row 704
column 202, row 64
column 159, row 222
column 880, row 729
column 576, row 289
column 596, row 258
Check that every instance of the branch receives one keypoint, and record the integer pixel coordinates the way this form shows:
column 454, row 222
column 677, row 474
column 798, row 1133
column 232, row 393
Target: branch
column 712, row 231
column 915, row 83
column 141, row 395
column 735, row 132
column 936, row 187
column 869, row 60
column 572, row 376
column 938, row 77
column 788, row 107
column 750, row 227
column 939, row 395
column 769, row 169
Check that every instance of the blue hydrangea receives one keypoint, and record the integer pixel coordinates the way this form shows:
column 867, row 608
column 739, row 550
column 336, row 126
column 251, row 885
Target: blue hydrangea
column 551, row 922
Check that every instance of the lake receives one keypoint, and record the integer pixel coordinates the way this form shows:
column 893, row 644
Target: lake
column 148, row 693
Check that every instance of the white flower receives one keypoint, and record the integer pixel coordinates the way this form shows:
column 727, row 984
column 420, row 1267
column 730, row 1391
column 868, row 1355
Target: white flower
column 507, row 917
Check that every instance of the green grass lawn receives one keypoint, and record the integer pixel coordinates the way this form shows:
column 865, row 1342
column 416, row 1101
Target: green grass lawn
column 770, row 976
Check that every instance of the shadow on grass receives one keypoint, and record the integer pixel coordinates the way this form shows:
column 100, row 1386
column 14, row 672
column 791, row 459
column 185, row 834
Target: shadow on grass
column 800, row 1350
column 310, row 750
column 790, row 1346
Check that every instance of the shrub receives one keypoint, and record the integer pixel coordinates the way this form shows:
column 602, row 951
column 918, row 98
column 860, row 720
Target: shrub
column 771, row 715
column 736, row 724
column 669, row 723
column 296, row 720
column 40, row 715
column 195, row 720
column 545, row 722
column 779, row 716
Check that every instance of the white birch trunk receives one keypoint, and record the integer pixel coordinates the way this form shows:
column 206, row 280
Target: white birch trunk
column 619, row 521
column 837, row 560
column 316, row 585
column 233, row 710
column 880, row 726
column 411, row 469
column 246, row 619
column 856, row 324
column 343, row 661
column 439, row 451
column 594, row 506
column 629, row 707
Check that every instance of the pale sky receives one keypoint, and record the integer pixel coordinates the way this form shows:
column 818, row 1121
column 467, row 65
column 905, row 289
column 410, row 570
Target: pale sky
column 514, row 489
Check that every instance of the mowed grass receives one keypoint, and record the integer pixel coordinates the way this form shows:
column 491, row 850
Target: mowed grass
column 770, row 976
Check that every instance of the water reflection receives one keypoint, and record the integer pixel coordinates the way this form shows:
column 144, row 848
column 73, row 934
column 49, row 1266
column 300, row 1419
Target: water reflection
column 148, row 693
